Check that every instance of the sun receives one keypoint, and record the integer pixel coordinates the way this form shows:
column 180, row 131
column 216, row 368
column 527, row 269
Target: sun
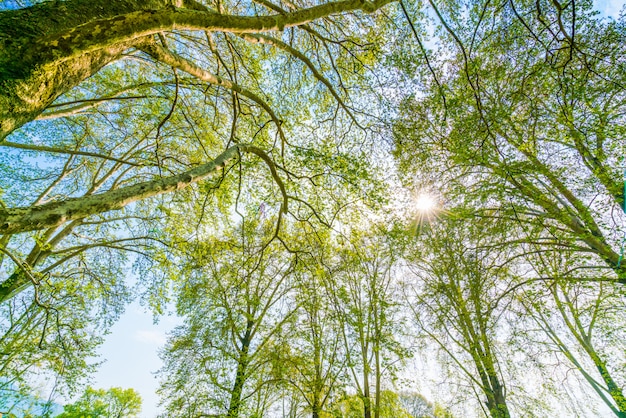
column 425, row 203
column 426, row 208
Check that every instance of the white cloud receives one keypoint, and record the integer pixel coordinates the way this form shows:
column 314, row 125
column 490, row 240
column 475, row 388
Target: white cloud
column 150, row 337
column 609, row 7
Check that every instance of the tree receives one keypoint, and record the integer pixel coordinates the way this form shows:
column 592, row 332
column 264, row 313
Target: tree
column 101, row 143
column 62, row 288
column 315, row 362
column 16, row 402
column 462, row 290
column 353, row 407
column 52, row 331
column 235, row 301
column 419, row 407
column 579, row 322
column 528, row 111
column 156, row 103
column 362, row 294
column 111, row 403
column 61, row 45
column 522, row 125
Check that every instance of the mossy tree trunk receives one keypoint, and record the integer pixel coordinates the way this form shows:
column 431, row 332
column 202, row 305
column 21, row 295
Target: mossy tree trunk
column 49, row 48
column 33, row 73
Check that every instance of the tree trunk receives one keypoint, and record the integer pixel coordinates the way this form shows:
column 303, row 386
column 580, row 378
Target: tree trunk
column 235, row 396
column 49, row 48
column 29, row 83
column 319, row 378
column 367, row 407
column 614, row 389
column 496, row 402
column 491, row 386
column 316, row 408
column 376, row 347
column 367, row 402
column 240, row 378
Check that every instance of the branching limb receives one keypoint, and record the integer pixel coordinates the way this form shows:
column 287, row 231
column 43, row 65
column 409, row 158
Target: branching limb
column 265, row 39
column 170, row 58
column 425, row 55
column 52, row 214
column 270, row 163
column 70, row 44
column 56, row 150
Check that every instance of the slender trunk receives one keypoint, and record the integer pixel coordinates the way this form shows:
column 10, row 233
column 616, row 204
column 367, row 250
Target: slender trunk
column 614, row 389
column 317, row 358
column 367, row 403
column 376, row 346
column 365, row 396
column 316, row 407
column 378, row 394
column 496, row 402
column 240, row 378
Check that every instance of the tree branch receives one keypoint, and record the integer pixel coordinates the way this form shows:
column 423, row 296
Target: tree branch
column 88, row 37
column 52, row 214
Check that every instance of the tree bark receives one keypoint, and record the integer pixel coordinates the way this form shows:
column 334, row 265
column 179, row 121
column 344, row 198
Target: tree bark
column 367, row 402
column 47, row 49
column 16, row 220
column 496, row 401
column 29, row 83
column 240, row 377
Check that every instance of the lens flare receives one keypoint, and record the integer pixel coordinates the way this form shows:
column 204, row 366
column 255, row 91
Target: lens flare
column 426, row 208
column 425, row 203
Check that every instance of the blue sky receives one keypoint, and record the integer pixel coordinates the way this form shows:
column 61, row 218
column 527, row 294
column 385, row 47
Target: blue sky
column 609, row 7
column 131, row 354
column 131, row 349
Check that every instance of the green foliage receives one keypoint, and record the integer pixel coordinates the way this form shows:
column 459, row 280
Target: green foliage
column 352, row 407
column 131, row 117
column 236, row 302
column 534, row 137
column 519, row 129
column 99, row 403
column 287, row 285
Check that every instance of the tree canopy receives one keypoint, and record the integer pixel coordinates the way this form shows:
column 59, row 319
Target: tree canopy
column 114, row 402
column 253, row 166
